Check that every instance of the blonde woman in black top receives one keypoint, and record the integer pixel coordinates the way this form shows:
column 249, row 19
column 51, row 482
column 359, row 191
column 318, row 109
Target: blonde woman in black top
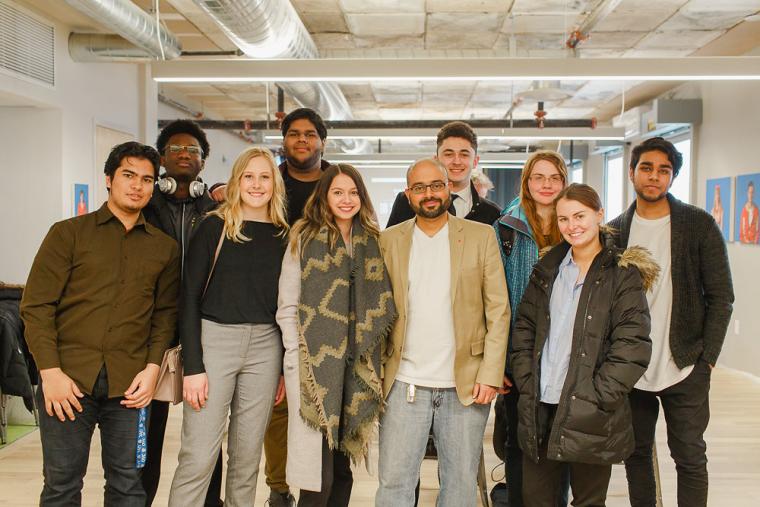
column 231, row 344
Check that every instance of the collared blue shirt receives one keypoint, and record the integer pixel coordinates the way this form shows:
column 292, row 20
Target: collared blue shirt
column 563, row 306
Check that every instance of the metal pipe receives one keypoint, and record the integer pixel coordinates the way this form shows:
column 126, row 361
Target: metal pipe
column 399, row 124
column 131, row 22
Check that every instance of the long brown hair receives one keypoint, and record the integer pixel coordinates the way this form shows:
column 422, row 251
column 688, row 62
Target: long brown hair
column 529, row 205
column 317, row 214
column 231, row 209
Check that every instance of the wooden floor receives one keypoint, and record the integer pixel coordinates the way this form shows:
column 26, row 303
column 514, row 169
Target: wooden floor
column 733, row 449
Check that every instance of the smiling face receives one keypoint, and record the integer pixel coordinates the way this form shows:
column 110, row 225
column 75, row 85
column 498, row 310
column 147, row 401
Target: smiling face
column 459, row 158
column 131, row 186
column 429, row 193
column 256, row 184
column 578, row 223
column 182, row 165
column 652, row 176
column 343, row 198
column 545, row 182
column 302, row 145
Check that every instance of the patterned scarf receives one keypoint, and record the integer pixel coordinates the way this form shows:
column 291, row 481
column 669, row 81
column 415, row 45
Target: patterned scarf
column 345, row 316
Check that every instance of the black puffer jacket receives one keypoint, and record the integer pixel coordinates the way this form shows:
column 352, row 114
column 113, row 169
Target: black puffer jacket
column 610, row 351
column 15, row 361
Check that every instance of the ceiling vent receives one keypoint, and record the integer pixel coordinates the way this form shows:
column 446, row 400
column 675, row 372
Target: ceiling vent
column 27, row 45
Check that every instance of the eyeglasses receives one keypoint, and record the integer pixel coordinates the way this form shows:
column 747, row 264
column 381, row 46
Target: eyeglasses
column 191, row 149
column 554, row 179
column 420, row 188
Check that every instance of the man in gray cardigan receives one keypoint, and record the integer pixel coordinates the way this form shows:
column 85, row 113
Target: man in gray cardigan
column 690, row 306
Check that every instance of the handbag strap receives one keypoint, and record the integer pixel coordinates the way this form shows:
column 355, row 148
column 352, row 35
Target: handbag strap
column 213, row 264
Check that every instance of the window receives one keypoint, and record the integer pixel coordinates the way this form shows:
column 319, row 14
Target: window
column 613, row 186
column 681, row 187
column 576, row 173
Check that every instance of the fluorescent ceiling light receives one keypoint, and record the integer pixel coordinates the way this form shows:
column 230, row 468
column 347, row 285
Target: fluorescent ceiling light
column 458, row 69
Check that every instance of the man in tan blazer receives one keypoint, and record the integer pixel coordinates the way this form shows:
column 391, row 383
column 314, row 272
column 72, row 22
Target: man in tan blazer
column 446, row 359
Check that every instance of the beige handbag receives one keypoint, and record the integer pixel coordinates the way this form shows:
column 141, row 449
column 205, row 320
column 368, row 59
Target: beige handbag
column 169, row 384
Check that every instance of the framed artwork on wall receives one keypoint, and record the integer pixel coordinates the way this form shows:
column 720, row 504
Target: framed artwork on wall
column 81, row 199
column 718, row 203
column 746, row 213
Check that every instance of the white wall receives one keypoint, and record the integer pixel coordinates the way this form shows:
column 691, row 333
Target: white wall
column 54, row 139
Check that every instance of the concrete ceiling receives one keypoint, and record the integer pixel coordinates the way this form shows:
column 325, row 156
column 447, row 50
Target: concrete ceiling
column 468, row 28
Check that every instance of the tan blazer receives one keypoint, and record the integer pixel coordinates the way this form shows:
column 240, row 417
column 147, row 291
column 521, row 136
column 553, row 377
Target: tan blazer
column 480, row 304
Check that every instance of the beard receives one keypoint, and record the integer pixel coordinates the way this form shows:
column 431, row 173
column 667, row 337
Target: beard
column 443, row 207
column 649, row 198
column 304, row 165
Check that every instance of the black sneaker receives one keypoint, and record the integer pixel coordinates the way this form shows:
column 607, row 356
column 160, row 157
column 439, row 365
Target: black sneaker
column 277, row 499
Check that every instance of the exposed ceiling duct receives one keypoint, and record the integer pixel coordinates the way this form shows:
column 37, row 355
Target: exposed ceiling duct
column 272, row 29
column 581, row 33
column 129, row 21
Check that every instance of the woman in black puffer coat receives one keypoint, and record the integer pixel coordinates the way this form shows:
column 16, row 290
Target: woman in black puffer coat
column 576, row 357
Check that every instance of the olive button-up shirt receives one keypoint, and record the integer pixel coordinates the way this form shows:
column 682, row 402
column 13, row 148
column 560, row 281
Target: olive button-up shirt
column 97, row 294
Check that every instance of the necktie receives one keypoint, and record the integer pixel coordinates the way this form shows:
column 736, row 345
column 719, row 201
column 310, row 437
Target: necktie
column 452, row 208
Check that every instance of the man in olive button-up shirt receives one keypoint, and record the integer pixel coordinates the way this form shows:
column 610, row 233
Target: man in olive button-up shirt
column 100, row 308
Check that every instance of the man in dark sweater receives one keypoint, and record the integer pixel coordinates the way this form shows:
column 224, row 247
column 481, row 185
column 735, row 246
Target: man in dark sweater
column 303, row 142
column 457, row 150
column 179, row 202
column 690, row 307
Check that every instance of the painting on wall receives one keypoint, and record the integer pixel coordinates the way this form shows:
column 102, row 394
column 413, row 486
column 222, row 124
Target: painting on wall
column 81, row 199
column 746, row 213
column 718, row 203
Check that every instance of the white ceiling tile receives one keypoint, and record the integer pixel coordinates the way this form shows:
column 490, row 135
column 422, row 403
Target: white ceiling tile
column 316, row 5
column 538, row 23
column 444, row 40
column 612, row 40
column 530, row 41
column 325, row 22
column 386, row 24
column 551, row 6
column 468, row 5
column 333, row 40
column 385, row 6
column 749, row 6
column 657, row 53
column 692, row 19
column 356, row 92
column 684, row 39
column 638, row 15
column 402, row 112
column 398, row 41
column 600, row 53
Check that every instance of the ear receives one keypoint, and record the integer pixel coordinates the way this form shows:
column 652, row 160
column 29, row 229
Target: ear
column 108, row 183
column 161, row 162
column 203, row 164
column 475, row 162
column 408, row 194
column 600, row 214
column 631, row 170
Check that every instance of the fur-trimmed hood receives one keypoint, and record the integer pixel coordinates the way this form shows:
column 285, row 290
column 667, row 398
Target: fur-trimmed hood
column 641, row 259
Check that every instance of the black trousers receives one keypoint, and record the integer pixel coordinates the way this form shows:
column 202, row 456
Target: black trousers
column 542, row 480
column 513, row 470
column 686, row 406
column 66, row 450
column 337, row 481
column 159, row 412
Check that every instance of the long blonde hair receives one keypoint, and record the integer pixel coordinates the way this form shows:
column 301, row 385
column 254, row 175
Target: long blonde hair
column 231, row 210
column 529, row 205
column 317, row 214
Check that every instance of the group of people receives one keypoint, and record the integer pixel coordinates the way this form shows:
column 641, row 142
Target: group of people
column 304, row 325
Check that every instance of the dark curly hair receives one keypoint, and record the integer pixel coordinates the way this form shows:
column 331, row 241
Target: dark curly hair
column 304, row 113
column 131, row 149
column 658, row 144
column 188, row 127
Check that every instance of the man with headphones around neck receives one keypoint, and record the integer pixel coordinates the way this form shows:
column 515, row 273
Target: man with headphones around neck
column 179, row 202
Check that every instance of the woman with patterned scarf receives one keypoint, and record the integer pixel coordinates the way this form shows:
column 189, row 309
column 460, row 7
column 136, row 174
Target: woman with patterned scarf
column 335, row 311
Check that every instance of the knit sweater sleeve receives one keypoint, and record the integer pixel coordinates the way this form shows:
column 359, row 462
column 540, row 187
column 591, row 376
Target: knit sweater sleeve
column 717, row 289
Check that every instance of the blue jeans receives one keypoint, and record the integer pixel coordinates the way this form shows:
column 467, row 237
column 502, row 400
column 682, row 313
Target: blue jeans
column 458, row 435
column 66, row 450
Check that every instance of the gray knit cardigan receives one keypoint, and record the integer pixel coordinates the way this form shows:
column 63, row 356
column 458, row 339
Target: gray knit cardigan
column 703, row 292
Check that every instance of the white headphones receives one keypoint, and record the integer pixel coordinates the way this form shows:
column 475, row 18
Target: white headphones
column 168, row 185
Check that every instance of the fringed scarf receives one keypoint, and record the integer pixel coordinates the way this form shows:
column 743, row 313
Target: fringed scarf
column 345, row 316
